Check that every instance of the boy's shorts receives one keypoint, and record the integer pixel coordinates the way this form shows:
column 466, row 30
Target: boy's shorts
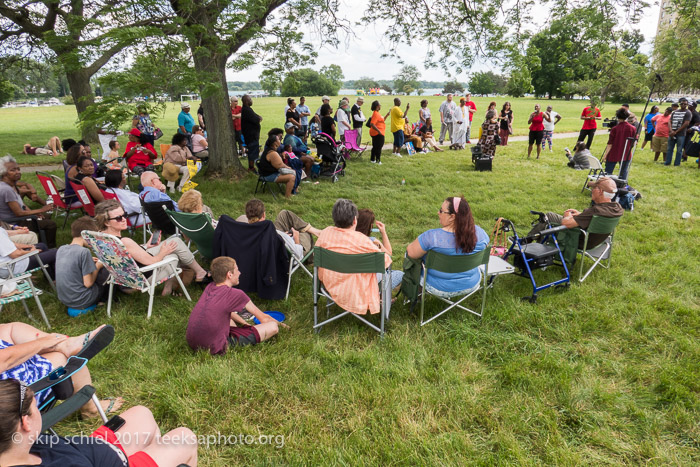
column 240, row 336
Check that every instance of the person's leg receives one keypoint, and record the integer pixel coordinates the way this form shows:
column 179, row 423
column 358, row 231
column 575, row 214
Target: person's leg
column 529, row 150
column 552, row 217
column 443, row 130
column 267, row 330
column 680, row 144
column 359, row 136
column 669, row 149
column 287, row 220
column 253, row 148
column 29, row 238
column 373, row 151
column 469, row 132
column 538, row 139
column 381, row 139
column 609, row 167
column 185, row 172
column 591, row 134
column 288, row 180
column 55, row 145
column 178, row 446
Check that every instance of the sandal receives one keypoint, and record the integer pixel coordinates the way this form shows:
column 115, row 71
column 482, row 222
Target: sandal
column 99, row 341
column 204, row 280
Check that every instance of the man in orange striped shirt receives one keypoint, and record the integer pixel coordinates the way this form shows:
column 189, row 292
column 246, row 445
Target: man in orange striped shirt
column 356, row 293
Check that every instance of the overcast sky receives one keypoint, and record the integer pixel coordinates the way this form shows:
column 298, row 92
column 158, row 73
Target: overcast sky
column 360, row 55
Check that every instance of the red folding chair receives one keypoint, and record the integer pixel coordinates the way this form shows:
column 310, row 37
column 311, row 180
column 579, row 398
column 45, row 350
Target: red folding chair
column 83, row 197
column 59, row 202
column 350, row 143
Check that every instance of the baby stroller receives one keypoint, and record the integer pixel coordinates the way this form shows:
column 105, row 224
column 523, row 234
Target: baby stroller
column 538, row 252
column 332, row 157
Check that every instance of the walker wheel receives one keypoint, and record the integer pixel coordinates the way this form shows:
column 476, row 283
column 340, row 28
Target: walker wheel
column 532, row 299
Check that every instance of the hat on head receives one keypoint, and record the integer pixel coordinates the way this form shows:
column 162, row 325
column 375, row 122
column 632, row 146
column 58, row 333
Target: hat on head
column 325, row 98
column 288, row 125
column 135, row 132
column 682, row 99
column 360, row 99
column 184, row 105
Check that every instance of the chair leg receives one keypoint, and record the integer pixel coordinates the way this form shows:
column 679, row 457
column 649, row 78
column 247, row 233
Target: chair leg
column 38, row 303
column 98, row 406
column 26, row 308
column 289, row 276
column 151, row 292
column 109, row 300
column 47, row 275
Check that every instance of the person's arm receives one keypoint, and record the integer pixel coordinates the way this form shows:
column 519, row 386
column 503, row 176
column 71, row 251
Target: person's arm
column 387, row 115
column 142, row 256
column 598, row 117
column 414, row 250
column 17, row 210
column 92, row 188
column 262, row 317
column 17, row 354
column 151, row 153
column 276, row 160
column 557, row 118
column 529, row 120
column 238, row 320
column 385, row 237
column 442, row 117
column 568, row 221
column 90, row 278
column 372, row 125
column 547, row 117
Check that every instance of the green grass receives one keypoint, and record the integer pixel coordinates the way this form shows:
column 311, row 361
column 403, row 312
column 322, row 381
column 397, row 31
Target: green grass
column 37, row 125
column 604, row 373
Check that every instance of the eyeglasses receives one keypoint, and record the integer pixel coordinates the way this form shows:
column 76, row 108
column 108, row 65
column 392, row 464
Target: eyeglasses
column 118, row 218
column 440, row 211
column 22, row 393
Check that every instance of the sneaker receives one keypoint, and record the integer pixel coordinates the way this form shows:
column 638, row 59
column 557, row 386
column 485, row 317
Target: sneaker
column 373, row 162
column 469, row 142
column 398, row 155
column 441, row 143
column 379, row 163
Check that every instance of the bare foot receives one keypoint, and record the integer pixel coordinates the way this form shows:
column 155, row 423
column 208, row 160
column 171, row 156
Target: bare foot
column 75, row 344
column 90, row 411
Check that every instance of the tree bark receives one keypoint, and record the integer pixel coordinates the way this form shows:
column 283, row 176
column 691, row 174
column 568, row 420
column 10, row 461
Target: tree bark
column 79, row 83
column 217, row 115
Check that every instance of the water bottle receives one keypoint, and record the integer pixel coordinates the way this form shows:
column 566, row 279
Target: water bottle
column 403, row 181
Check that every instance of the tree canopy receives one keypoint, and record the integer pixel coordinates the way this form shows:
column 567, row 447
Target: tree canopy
column 308, row 82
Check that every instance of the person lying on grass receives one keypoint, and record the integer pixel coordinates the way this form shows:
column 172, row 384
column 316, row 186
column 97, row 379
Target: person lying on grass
column 214, row 323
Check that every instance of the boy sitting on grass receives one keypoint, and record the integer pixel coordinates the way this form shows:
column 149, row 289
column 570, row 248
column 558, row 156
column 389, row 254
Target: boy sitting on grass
column 81, row 278
column 214, row 323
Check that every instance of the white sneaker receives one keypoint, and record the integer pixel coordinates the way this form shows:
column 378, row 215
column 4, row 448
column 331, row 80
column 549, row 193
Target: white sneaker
column 398, row 155
column 373, row 162
column 379, row 163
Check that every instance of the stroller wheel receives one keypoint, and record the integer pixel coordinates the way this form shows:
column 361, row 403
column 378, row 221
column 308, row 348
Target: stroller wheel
column 334, row 179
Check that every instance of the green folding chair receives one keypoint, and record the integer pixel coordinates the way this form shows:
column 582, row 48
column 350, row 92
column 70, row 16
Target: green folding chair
column 296, row 263
column 452, row 265
column 602, row 251
column 350, row 264
column 197, row 227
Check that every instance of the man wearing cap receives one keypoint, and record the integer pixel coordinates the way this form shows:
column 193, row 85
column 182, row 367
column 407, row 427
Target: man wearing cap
column 343, row 118
column 447, row 110
column 317, row 115
column 185, row 121
column 250, row 129
column 680, row 120
column 358, row 118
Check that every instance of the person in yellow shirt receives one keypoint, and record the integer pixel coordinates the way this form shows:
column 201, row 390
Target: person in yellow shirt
column 397, row 122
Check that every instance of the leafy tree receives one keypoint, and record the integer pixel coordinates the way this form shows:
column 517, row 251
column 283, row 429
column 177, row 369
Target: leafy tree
column 7, row 91
column 31, row 78
column 420, row 91
column 270, row 81
column 364, row 83
column 82, row 35
column 676, row 51
column 334, row 74
column 407, row 79
column 308, row 82
column 453, row 87
column 482, row 83
column 520, row 80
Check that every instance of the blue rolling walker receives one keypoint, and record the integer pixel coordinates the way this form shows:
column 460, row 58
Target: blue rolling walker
column 536, row 252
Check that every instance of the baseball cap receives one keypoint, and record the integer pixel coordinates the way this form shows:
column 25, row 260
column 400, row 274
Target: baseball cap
column 682, row 99
column 184, row 105
column 325, row 98
column 361, row 99
column 135, row 132
column 288, row 125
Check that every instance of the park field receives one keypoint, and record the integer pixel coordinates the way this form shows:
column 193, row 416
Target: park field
column 36, row 125
column 606, row 372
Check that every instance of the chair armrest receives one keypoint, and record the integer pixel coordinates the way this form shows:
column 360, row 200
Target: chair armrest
column 28, row 217
column 551, row 230
column 68, row 407
column 153, row 266
column 59, row 375
column 19, row 258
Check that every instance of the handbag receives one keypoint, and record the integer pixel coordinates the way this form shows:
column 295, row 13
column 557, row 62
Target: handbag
column 499, row 246
column 157, row 133
column 497, row 139
column 369, row 123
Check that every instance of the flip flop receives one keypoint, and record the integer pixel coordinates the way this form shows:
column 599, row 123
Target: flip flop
column 112, row 401
column 204, row 280
column 100, row 340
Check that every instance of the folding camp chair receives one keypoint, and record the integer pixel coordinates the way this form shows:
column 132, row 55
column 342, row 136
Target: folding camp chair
column 60, row 203
column 596, row 171
column 351, row 264
column 602, row 251
column 262, row 183
column 452, row 265
column 25, row 290
column 9, row 265
column 124, row 271
column 296, row 263
column 197, row 227
column 163, row 149
column 350, row 142
column 155, row 210
column 131, row 225
column 83, row 197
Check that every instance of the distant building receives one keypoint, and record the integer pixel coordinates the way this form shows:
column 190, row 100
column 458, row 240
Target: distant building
column 667, row 16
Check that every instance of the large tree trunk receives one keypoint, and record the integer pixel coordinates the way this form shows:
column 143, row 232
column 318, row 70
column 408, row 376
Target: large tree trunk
column 79, row 83
column 217, row 115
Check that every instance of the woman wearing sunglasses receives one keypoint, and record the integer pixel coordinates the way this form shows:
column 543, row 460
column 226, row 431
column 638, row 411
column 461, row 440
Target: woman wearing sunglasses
column 457, row 235
column 111, row 219
column 132, row 437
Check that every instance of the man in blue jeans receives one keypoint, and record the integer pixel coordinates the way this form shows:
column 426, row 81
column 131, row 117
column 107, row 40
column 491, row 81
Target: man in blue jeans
column 680, row 119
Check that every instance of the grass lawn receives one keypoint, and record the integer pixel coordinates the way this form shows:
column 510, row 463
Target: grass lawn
column 37, row 125
column 604, row 373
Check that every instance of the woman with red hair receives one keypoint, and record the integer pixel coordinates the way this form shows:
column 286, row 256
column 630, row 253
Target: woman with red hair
column 457, row 235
